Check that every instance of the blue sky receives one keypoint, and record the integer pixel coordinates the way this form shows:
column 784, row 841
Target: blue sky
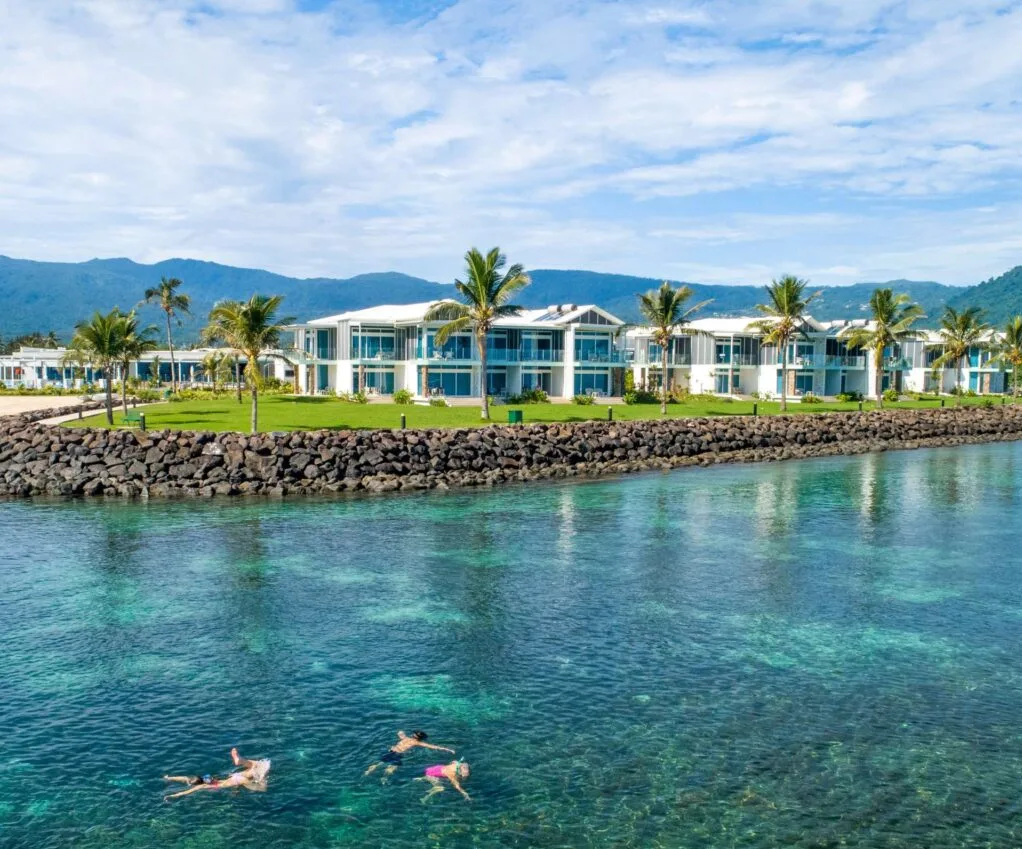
column 717, row 141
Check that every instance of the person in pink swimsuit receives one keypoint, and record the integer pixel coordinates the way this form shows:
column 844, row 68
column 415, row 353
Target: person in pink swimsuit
column 251, row 776
column 435, row 775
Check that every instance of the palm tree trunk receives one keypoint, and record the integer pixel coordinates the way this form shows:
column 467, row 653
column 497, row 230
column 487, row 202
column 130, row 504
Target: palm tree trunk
column 784, row 377
column 961, row 391
column 254, row 380
column 109, row 396
column 124, row 388
column 663, row 363
column 1014, row 381
column 481, row 344
column 880, row 381
column 170, row 347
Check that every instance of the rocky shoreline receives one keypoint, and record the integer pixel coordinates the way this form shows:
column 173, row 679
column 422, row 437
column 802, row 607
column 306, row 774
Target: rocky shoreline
column 38, row 459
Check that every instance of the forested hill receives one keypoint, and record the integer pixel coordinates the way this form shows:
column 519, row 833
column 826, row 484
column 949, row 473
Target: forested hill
column 54, row 296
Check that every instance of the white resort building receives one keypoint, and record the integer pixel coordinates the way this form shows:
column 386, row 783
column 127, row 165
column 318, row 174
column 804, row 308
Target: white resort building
column 565, row 350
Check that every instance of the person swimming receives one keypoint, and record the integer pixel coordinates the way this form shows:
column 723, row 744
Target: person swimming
column 394, row 756
column 435, row 775
column 251, row 776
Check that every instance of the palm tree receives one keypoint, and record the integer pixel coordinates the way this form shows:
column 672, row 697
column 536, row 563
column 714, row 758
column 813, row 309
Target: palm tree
column 665, row 310
column 171, row 302
column 100, row 340
column 212, row 367
column 135, row 342
column 154, row 370
column 1009, row 350
column 960, row 331
column 785, row 318
column 486, row 295
column 252, row 329
column 891, row 322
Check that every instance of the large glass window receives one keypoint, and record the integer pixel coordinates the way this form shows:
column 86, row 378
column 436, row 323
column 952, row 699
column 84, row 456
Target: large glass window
column 380, row 381
column 445, row 382
column 457, row 347
column 592, row 348
column 496, row 381
column 372, row 345
column 592, row 383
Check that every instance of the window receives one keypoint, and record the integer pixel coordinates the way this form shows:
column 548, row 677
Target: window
column 592, row 383
column 448, row 382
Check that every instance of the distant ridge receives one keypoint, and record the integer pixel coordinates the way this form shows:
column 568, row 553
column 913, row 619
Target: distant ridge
column 52, row 295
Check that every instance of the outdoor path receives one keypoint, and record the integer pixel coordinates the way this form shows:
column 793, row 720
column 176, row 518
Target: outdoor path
column 13, row 405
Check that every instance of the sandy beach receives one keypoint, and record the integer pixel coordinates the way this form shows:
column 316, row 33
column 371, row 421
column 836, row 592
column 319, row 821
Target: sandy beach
column 12, row 405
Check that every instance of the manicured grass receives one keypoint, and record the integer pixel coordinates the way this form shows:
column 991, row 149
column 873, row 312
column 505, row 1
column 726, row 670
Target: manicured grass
column 306, row 413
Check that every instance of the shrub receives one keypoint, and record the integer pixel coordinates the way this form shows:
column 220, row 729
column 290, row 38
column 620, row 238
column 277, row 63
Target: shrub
column 987, row 403
column 809, row 398
column 403, row 396
column 583, row 400
column 529, row 396
column 849, row 396
column 970, row 393
column 629, row 381
column 276, row 386
column 438, row 402
column 641, row 396
column 891, row 395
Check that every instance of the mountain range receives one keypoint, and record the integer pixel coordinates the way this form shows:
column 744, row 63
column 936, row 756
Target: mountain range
column 42, row 296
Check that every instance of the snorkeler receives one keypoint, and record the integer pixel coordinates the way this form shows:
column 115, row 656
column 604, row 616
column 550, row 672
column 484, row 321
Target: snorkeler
column 452, row 772
column 395, row 755
column 251, row 776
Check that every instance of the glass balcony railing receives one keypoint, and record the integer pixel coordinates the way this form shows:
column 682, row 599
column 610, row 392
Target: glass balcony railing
column 540, row 355
column 737, row 360
column 845, row 361
column 598, row 357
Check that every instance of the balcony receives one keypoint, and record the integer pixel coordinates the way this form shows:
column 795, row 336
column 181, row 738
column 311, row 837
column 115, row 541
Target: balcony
column 839, row 361
column 298, row 356
column 807, row 362
column 737, row 361
column 540, row 355
column 605, row 357
column 897, row 364
column 373, row 357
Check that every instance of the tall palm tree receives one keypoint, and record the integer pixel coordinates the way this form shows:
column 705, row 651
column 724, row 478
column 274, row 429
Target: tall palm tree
column 891, row 320
column 212, row 367
column 785, row 318
column 252, row 329
column 960, row 331
column 135, row 342
column 666, row 311
column 100, row 340
column 486, row 292
column 172, row 303
column 1009, row 350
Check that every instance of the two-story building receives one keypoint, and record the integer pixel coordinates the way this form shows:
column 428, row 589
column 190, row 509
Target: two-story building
column 564, row 350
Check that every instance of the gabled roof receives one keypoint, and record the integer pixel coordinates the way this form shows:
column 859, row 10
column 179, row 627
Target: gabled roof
column 555, row 316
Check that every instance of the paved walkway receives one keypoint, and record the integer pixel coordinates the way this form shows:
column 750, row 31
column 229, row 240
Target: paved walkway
column 13, row 405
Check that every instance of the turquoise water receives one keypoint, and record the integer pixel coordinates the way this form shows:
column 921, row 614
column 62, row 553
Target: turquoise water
column 811, row 654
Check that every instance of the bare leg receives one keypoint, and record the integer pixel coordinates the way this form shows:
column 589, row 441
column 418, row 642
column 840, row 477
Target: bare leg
column 371, row 769
column 437, row 787
column 390, row 769
column 240, row 761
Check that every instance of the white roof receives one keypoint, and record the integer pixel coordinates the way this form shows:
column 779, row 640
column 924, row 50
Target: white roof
column 415, row 313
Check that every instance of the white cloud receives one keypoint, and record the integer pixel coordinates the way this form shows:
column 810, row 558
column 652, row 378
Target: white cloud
column 597, row 135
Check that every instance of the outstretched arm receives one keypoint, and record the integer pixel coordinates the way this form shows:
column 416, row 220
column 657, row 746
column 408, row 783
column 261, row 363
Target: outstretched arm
column 436, row 748
column 183, row 779
column 190, row 790
column 460, row 789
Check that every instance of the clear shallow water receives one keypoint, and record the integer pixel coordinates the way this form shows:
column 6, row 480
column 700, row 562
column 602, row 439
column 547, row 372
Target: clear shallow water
column 821, row 653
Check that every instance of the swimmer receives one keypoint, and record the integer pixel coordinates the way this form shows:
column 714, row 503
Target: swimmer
column 251, row 776
column 404, row 744
column 452, row 772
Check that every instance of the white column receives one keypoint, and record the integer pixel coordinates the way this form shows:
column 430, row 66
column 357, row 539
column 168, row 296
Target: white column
column 568, row 387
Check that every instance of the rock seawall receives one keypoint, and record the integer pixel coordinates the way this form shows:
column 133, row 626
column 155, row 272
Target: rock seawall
column 37, row 459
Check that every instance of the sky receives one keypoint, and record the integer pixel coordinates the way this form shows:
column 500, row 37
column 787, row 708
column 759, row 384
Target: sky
column 723, row 141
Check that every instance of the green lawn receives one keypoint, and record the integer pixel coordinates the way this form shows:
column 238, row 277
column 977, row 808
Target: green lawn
column 308, row 413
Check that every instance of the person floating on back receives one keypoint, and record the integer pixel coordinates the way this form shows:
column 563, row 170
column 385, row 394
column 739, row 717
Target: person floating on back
column 395, row 755
column 435, row 775
column 251, row 776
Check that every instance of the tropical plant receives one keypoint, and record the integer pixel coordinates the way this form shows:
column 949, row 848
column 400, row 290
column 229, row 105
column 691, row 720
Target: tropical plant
column 583, row 400
column 135, row 342
column 1008, row 350
column 214, row 368
column 891, row 320
column 100, row 341
column 487, row 294
column 403, row 397
column 667, row 312
column 172, row 303
column 253, row 329
column 785, row 318
column 155, row 364
column 960, row 331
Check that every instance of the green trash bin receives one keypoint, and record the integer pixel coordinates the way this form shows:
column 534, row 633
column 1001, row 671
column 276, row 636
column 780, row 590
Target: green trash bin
column 514, row 417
